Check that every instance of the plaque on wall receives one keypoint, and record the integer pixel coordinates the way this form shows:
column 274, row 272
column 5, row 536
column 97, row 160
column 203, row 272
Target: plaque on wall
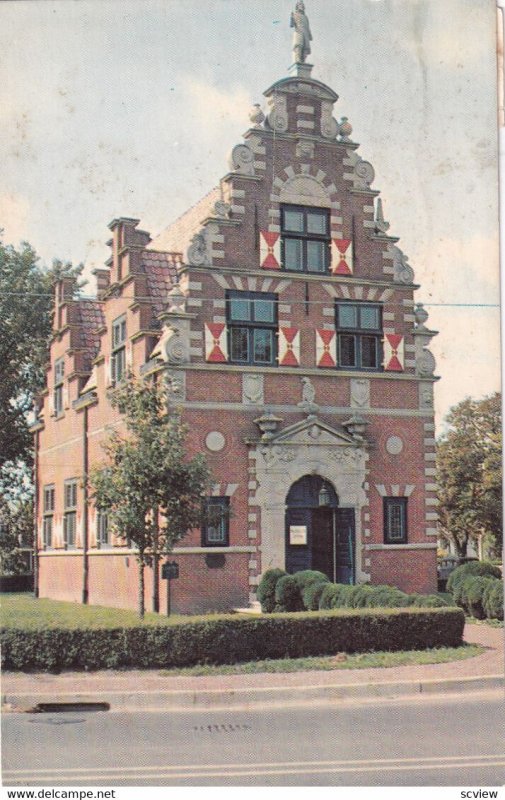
column 297, row 534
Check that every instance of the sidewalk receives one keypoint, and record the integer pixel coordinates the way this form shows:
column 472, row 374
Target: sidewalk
column 149, row 690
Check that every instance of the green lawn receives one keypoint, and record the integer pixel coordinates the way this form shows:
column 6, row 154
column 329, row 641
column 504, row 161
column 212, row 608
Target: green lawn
column 24, row 611
column 440, row 655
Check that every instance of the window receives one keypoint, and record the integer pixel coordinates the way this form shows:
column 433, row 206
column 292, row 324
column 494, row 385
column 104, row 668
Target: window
column 252, row 325
column 359, row 327
column 48, row 512
column 216, row 523
column 305, row 243
column 395, row 520
column 118, row 354
column 70, row 513
column 59, row 373
column 102, row 529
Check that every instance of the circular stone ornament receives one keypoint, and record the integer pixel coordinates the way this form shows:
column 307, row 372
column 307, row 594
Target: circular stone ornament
column 394, row 445
column 214, row 441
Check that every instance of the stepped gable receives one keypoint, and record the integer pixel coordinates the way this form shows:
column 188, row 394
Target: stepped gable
column 161, row 271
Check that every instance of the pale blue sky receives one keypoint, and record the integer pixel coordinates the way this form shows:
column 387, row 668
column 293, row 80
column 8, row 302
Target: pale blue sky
column 129, row 107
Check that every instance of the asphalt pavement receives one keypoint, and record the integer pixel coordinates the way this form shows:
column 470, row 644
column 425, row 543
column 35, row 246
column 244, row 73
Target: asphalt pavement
column 149, row 689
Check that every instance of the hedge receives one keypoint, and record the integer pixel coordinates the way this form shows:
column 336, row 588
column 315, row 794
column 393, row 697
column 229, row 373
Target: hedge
column 228, row 640
column 474, row 569
column 493, row 600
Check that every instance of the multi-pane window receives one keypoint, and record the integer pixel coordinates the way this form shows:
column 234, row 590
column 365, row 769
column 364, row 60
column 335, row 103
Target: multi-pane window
column 395, row 520
column 359, row 327
column 48, row 513
column 118, row 353
column 252, row 325
column 305, row 242
column 216, row 522
column 59, row 374
column 102, row 529
column 70, row 513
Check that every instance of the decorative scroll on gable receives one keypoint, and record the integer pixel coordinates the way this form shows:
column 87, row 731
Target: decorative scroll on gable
column 326, row 349
column 289, row 347
column 216, row 345
column 394, row 347
column 341, row 256
column 270, row 250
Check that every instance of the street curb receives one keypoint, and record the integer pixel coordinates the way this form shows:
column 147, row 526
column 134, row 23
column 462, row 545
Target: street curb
column 201, row 699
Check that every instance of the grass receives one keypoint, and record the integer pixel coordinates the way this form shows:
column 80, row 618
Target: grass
column 25, row 611
column 439, row 655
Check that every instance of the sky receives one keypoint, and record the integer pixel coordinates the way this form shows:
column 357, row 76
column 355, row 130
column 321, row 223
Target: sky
column 129, row 108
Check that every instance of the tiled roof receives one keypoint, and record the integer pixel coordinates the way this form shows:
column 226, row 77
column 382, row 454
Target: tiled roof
column 91, row 318
column 161, row 271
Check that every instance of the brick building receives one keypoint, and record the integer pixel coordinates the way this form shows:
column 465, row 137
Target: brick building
column 282, row 317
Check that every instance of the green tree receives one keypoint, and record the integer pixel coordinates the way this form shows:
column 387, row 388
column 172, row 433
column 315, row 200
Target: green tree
column 150, row 489
column 16, row 534
column 26, row 307
column 469, row 474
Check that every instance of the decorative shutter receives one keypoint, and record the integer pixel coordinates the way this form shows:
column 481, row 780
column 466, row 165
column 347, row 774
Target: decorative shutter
column 270, row 250
column 326, row 348
column 394, row 359
column 289, row 347
column 216, row 345
column 341, row 256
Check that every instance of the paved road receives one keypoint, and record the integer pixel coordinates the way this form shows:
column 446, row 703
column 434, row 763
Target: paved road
column 431, row 741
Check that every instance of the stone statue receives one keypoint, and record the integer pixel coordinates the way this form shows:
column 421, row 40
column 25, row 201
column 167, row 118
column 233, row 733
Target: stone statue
column 302, row 35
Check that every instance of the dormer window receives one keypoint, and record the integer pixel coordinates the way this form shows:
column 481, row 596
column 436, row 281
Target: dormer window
column 118, row 351
column 305, row 244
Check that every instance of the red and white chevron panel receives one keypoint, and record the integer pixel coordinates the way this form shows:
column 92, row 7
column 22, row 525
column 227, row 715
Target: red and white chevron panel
column 326, row 348
column 341, row 256
column 270, row 250
column 289, row 347
column 216, row 344
column 394, row 352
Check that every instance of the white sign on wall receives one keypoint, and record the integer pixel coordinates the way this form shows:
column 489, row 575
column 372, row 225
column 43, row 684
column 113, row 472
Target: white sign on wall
column 297, row 534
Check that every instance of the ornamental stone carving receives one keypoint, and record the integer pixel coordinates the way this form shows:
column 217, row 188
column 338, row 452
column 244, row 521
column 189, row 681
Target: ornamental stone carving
column 329, row 126
column 177, row 345
column 302, row 35
column 221, row 209
column 256, row 115
column 426, row 401
column 241, row 159
column 394, row 445
column 360, row 393
column 308, row 397
column 381, row 226
column 304, row 149
column 176, row 385
column 364, row 175
column 277, row 117
column 403, row 272
column 252, row 389
column 426, row 364
column 198, row 252
column 344, row 130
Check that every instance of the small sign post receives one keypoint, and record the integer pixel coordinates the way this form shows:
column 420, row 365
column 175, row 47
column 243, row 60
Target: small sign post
column 169, row 571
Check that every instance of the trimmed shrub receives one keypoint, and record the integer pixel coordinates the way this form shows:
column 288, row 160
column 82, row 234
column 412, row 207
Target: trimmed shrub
column 472, row 595
column 361, row 595
column 312, row 594
column 329, row 595
column 472, row 568
column 427, row 601
column 288, row 596
column 492, row 600
column 307, row 576
column 266, row 589
column 231, row 639
column 387, row 597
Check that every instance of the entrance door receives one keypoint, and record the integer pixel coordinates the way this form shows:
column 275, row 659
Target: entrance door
column 344, row 545
column 322, row 540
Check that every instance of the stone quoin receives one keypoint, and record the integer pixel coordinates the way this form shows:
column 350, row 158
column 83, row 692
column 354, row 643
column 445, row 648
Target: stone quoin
column 280, row 315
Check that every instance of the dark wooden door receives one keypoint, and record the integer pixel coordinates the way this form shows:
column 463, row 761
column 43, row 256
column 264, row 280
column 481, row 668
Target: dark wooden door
column 322, row 541
column 344, row 545
column 298, row 556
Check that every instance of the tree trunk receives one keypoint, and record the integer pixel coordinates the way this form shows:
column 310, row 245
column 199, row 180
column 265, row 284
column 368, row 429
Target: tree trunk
column 461, row 546
column 141, row 587
column 156, row 564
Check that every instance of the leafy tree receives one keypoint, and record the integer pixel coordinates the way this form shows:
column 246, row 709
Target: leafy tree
column 150, row 489
column 26, row 306
column 469, row 473
column 16, row 534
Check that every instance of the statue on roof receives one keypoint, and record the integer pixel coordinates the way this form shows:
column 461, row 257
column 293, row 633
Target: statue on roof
column 302, row 35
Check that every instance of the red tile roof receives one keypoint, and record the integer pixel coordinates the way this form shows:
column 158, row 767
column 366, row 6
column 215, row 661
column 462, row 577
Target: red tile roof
column 161, row 271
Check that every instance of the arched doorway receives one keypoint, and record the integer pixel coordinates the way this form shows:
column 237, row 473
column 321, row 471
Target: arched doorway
column 319, row 534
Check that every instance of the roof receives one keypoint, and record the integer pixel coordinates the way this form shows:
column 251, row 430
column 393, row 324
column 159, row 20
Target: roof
column 161, row 271
column 178, row 235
